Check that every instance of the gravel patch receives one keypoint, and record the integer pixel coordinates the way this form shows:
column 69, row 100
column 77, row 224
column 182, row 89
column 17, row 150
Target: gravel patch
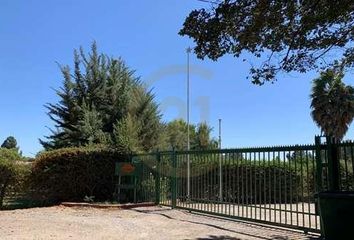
column 140, row 223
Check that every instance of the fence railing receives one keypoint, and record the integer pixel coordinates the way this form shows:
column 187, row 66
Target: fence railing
column 274, row 185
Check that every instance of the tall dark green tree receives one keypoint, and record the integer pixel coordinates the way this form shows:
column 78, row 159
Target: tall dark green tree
column 285, row 36
column 95, row 101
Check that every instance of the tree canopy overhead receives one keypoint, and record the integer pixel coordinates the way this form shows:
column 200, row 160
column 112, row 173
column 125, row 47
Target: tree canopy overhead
column 287, row 36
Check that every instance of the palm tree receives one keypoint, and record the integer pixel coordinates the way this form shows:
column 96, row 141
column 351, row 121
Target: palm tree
column 332, row 104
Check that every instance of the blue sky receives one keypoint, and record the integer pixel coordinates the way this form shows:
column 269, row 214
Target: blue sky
column 35, row 34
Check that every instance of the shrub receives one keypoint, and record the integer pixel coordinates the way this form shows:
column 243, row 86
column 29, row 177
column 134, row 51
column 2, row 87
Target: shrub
column 245, row 184
column 10, row 170
column 71, row 174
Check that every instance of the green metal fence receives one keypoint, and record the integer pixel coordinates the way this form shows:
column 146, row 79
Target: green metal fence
column 273, row 185
column 336, row 167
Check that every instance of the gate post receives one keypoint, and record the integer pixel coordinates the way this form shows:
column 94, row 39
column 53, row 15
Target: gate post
column 333, row 165
column 157, row 179
column 319, row 166
column 174, row 178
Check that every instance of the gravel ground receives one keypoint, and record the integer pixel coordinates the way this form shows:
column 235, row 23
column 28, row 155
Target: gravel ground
column 139, row 223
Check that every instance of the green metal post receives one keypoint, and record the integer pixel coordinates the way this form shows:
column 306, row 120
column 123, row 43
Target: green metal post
column 173, row 182
column 333, row 165
column 319, row 167
column 157, row 179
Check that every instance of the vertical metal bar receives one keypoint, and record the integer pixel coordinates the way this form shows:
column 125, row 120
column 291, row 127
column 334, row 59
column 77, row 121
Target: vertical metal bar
column 333, row 165
column 352, row 160
column 209, row 183
column 157, row 179
column 346, row 167
column 254, row 187
column 297, row 194
column 188, row 137
column 264, row 186
column 247, row 189
column 199, row 177
column 308, row 188
column 280, row 187
column 269, row 188
column 302, row 187
column 314, row 185
column 215, row 159
column 178, row 178
column 291, row 188
column 205, row 184
column 212, row 179
column 229, row 185
column 185, row 177
column 326, row 169
column 251, row 184
column 285, row 187
column 232, row 183
column 238, row 181
column 192, row 182
column 275, row 187
column 318, row 164
column 260, row 176
column 244, row 185
column 174, row 176
column 220, row 178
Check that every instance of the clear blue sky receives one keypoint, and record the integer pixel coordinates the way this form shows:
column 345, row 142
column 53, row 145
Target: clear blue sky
column 36, row 34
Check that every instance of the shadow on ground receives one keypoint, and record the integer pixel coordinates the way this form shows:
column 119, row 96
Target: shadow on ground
column 212, row 237
column 161, row 212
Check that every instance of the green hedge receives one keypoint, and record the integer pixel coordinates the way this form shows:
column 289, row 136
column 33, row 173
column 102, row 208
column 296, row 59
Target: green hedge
column 245, row 184
column 12, row 174
column 72, row 174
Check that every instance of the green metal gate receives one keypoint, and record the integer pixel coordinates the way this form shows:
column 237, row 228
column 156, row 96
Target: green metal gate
column 272, row 185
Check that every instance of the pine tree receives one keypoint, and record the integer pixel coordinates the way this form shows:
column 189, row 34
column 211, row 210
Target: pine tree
column 98, row 98
column 126, row 135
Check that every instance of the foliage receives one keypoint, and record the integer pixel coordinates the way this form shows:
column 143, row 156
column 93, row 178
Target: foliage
column 203, row 139
column 71, row 174
column 97, row 97
column 9, row 171
column 286, row 35
column 9, row 143
column 126, row 135
column 176, row 136
column 332, row 104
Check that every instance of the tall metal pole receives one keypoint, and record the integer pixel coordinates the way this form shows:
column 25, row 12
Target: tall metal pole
column 220, row 165
column 219, row 133
column 188, row 140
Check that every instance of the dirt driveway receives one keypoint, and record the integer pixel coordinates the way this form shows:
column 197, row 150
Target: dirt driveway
column 139, row 223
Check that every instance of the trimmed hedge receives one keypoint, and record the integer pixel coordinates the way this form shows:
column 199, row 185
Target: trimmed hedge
column 11, row 172
column 7, row 177
column 71, row 174
column 247, row 184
